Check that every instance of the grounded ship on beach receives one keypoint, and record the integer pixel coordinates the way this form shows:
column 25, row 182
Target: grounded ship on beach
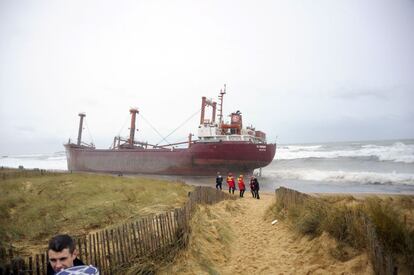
column 223, row 147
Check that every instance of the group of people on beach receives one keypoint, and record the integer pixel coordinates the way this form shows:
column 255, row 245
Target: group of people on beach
column 231, row 183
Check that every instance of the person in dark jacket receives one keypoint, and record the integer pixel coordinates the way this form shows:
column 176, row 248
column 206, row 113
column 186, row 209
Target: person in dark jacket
column 62, row 254
column 219, row 181
column 252, row 183
column 256, row 188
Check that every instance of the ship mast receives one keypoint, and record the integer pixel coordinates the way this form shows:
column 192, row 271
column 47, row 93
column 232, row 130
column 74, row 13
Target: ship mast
column 222, row 93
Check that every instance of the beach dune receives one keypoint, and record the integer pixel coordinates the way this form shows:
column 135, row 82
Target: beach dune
column 235, row 237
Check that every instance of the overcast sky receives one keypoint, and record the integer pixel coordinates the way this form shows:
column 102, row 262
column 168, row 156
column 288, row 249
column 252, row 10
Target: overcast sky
column 302, row 71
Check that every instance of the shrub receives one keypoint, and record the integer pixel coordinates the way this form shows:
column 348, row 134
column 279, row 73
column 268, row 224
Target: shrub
column 308, row 217
column 346, row 224
column 385, row 218
column 393, row 233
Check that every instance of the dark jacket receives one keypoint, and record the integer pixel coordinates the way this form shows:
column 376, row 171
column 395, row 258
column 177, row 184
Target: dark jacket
column 252, row 184
column 50, row 270
column 219, row 180
column 256, row 184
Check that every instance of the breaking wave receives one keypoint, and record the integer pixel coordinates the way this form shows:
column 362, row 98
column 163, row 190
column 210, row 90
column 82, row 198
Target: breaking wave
column 343, row 177
column 396, row 152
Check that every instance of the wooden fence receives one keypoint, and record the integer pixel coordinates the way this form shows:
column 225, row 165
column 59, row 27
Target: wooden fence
column 287, row 198
column 111, row 250
column 381, row 260
column 7, row 173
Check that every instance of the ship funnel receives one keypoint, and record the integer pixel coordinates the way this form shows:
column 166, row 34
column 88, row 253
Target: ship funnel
column 81, row 116
column 133, row 112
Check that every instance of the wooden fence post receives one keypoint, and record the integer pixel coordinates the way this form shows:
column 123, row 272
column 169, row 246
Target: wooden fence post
column 140, row 238
column 44, row 264
column 31, row 265
column 37, row 265
column 114, row 248
column 135, row 239
column 121, row 245
column 110, row 260
column 128, row 239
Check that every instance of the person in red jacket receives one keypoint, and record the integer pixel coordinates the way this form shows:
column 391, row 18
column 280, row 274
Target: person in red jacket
column 231, row 183
column 242, row 187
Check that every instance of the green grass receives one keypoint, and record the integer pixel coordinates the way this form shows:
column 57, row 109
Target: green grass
column 35, row 207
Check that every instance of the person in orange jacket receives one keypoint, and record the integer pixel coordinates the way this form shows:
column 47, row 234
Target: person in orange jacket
column 242, row 187
column 231, row 183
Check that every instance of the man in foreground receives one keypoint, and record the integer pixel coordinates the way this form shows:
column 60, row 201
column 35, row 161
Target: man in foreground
column 62, row 254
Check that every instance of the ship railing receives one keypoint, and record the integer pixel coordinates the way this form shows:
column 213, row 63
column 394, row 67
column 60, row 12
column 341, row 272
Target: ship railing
column 89, row 145
column 245, row 138
column 145, row 145
column 83, row 144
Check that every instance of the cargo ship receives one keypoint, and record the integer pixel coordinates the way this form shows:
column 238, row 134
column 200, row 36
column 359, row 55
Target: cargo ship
column 220, row 147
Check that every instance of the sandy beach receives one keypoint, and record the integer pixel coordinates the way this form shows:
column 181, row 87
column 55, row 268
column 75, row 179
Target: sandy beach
column 235, row 237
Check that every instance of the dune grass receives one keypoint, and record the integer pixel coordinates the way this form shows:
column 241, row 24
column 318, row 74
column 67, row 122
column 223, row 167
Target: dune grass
column 35, row 207
column 209, row 244
column 342, row 218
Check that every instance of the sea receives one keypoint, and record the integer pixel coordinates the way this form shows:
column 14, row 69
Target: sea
column 383, row 167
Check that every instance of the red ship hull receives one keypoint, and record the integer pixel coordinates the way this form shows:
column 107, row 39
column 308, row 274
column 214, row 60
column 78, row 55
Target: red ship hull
column 201, row 159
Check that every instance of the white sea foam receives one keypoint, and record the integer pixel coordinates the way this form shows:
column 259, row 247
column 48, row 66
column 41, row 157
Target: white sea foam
column 343, row 177
column 298, row 148
column 55, row 161
column 397, row 152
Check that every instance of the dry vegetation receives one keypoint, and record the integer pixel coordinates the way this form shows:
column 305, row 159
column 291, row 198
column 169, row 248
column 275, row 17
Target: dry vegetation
column 35, row 206
column 237, row 237
column 341, row 217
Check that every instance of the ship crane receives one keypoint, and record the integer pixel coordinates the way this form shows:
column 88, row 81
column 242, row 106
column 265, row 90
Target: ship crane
column 204, row 103
column 131, row 143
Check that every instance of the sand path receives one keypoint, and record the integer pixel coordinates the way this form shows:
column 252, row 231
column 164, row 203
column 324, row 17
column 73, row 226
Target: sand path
column 256, row 240
column 256, row 246
column 262, row 248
